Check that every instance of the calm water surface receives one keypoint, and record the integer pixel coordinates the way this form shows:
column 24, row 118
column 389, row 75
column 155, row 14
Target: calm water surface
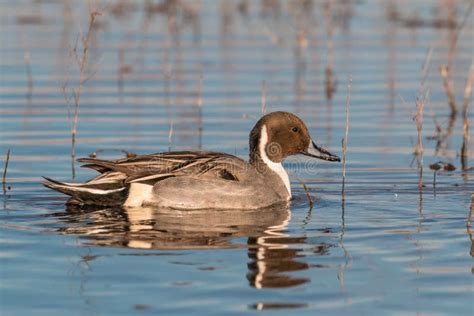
column 388, row 248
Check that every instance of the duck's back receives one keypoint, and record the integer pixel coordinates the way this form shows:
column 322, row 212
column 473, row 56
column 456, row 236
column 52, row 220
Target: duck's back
column 172, row 179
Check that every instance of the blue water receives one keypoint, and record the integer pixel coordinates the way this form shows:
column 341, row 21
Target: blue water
column 387, row 248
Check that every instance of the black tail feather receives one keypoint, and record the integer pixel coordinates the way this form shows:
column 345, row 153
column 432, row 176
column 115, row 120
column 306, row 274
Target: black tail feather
column 87, row 195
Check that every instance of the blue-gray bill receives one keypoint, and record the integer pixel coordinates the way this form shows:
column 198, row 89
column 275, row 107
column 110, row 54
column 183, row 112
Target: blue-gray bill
column 315, row 151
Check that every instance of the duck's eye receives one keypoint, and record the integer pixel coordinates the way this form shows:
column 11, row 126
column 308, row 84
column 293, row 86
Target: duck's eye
column 295, row 129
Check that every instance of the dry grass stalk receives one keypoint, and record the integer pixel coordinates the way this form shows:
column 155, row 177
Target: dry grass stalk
column 26, row 59
column 329, row 82
column 170, row 134
column 469, row 227
column 199, row 104
column 459, row 28
column 27, row 62
column 329, row 73
column 264, row 97
column 122, row 70
column 448, row 86
column 420, row 101
column 439, row 134
column 120, row 74
column 467, row 97
column 199, row 99
column 4, row 178
column 81, row 60
column 310, row 199
column 471, row 210
column 445, row 70
column 346, row 135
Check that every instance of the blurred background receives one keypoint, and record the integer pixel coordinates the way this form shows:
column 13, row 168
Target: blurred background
column 132, row 77
column 201, row 67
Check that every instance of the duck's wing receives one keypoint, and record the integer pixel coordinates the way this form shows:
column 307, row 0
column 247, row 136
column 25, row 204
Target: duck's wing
column 111, row 186
column 154, row 167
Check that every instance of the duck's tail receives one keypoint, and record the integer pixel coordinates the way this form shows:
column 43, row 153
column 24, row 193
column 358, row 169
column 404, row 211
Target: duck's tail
column 92, row 192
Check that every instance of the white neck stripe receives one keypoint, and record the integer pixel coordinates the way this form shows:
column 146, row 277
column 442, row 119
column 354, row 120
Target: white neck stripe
column 276, row 167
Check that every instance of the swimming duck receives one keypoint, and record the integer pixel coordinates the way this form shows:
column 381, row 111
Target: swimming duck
column 202, row 180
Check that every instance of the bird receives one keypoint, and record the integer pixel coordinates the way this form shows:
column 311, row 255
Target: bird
column 196, row 180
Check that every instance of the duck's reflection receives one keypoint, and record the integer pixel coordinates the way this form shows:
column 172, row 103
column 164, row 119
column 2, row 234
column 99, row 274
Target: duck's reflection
column 273, row 254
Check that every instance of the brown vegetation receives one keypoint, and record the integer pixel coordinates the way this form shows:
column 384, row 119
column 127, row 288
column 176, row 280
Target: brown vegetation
column 346, row 136
column 4, row 178
column 81, row 59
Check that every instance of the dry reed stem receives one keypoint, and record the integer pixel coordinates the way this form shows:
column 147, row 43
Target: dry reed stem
column 448, row 86
column 467, row 97
column 4, row 178
column 445, row 70
column 26, row 58
column 199, row 104
column 467, row 13
column 469, row 227
column 29, row 73
column 308, row 196
column 264, row 97
column 82, row 61
column 122, row 70
column 76, row 92
column 346, row 135
column 170, row 134
column 438, row 127
column 199, row 99
column 27, row 62
column 471, row 209
column 329, row 73
column 329, row 82
column 420, row 101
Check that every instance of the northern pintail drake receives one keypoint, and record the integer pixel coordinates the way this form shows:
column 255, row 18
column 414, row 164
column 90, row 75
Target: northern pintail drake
column 202, row 180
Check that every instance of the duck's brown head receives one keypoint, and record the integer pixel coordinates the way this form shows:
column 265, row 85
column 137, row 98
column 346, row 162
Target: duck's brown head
column 278, row 135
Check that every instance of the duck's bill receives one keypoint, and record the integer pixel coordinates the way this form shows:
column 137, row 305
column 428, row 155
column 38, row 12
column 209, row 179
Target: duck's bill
column 315, row 151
